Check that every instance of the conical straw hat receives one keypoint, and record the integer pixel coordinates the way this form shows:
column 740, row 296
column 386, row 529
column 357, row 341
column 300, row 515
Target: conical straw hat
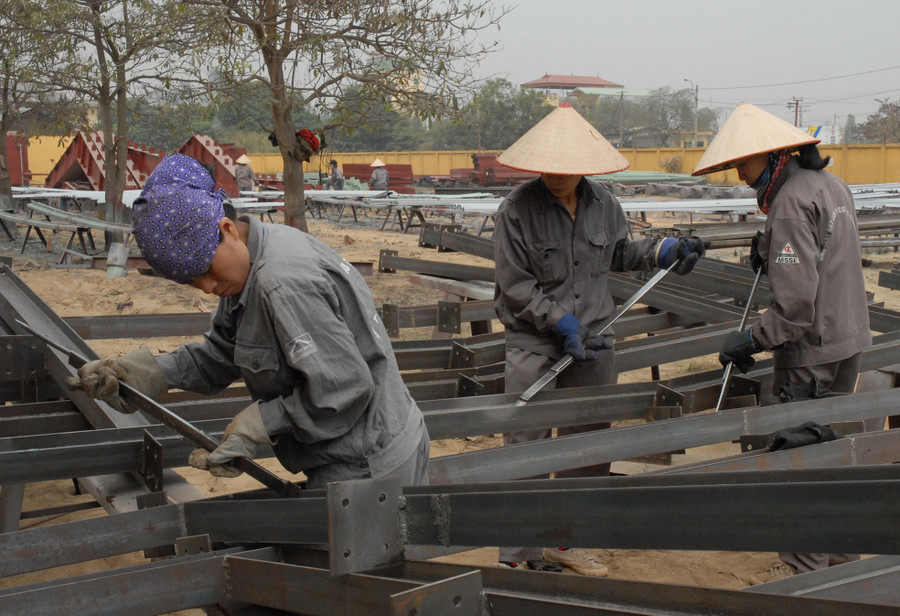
column 378, row 163
column 563, row 143
column 749, row 130
column 243, row 160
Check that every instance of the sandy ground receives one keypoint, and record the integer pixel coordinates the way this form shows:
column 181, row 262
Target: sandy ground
column 84, row 292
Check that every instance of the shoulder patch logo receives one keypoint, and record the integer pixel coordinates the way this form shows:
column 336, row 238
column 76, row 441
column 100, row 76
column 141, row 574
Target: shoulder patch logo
column 787, row 255
column 300, row 347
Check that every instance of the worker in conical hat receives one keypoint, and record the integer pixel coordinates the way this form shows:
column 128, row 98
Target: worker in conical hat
column 379, row 179
column 243, row 174
column 817, row 324
column 557, row 238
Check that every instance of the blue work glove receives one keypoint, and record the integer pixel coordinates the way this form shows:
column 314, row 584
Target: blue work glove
column 757, row 260
column 738, row 349
column 687, row 249
column 577, row 340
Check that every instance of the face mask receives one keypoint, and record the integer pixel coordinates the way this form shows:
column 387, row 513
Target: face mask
column 763, row 179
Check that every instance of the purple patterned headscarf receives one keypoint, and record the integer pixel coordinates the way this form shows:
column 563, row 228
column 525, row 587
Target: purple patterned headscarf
column 176, row 218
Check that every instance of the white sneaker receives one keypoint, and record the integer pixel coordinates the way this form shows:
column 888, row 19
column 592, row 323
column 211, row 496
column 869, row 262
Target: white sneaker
column 578, row 560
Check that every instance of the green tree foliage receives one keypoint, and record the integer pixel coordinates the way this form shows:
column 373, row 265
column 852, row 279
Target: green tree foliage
column 412, row 56
column 26, row 106
column 395, row 131
column 498, row 114
column 106, row 52
column 506, row 112
column 653, row 120
column 385, row 128
column 851, row 130
column 668, row 112
column 166, row 125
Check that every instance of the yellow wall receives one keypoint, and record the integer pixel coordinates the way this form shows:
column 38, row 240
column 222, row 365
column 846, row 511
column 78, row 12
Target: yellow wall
column 423, row 163
column 855, row 164
column 43, row 154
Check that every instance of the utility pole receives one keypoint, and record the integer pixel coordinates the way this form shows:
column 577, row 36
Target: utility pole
column 619, row 109
column 696, row 106
column 796, row 105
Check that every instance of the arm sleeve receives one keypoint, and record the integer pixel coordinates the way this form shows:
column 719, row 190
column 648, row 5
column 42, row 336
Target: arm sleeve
column 336, row 384
column 515, row 280
column 792, row 263
column 629, row 255
column 634, row 255
column 206, row 367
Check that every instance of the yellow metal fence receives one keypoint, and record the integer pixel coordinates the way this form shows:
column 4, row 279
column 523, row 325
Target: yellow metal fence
column 855, row 164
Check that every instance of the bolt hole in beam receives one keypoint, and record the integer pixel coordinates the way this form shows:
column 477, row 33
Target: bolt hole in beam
column 356, row 547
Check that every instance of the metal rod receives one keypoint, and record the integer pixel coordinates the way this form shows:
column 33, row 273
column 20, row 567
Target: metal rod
column 726, row 379
column 567, row 359
column 184, row 428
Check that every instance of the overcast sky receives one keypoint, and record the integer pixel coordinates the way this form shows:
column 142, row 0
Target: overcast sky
column 837, row 55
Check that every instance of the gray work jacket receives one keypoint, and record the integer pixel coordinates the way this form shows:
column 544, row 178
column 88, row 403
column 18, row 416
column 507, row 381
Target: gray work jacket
column 818, row 311
column 244, row 177
column 306, row 338
column 548, row 264
column 379, row 179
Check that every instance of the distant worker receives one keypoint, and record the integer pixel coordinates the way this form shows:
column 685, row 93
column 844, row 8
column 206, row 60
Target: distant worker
column 557, row 238
column 295, row 321
column 336, row 181
column 243, row 174
column 817, row 323
column 379, row 179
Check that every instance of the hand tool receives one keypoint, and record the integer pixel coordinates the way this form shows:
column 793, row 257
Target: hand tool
column 567, row 359
column 726, row 379
column 193, row 434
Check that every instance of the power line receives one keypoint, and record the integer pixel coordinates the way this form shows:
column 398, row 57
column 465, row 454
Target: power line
column 779, row 101
column 793, row 83
column 850, row 98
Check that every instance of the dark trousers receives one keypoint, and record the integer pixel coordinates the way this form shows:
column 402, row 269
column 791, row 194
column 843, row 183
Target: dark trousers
column 839, row 377
column 523, row 368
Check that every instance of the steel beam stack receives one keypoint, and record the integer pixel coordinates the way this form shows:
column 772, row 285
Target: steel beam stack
column 364, row 547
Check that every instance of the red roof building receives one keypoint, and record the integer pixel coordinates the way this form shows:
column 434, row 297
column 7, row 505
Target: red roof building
column 569, row 82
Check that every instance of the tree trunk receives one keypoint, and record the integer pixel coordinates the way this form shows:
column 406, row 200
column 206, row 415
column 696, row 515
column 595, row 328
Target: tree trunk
column 294, row 201
column 285, row 132
column 6, row 201
column 121, row 153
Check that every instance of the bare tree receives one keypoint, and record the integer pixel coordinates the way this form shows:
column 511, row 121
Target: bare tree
column 409, row 55
column 883, row 126
column 107, row 50
column 668, row 112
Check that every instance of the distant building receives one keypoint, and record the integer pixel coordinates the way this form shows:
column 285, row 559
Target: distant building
column 557, row 87
column 829, row 134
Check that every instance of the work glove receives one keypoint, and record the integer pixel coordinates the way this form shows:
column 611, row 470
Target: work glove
column 738, row 349
column 686, row 249
column 577, row 340
column 100, row 378
column 243, row 436
column 806, row 433
column 756, row 259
